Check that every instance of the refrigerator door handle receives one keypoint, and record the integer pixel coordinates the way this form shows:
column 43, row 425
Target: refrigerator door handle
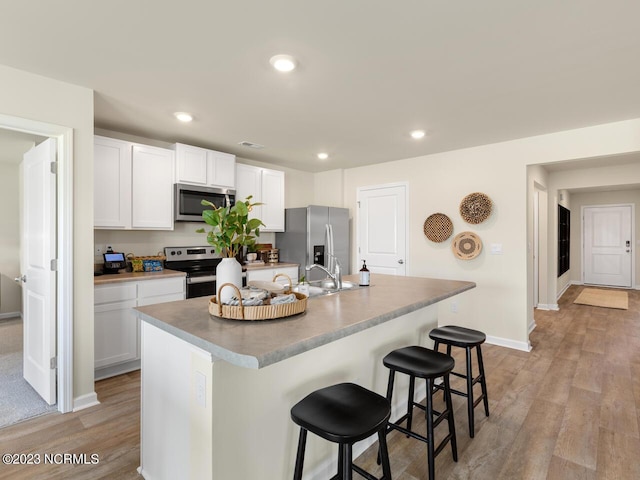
column 330, row 252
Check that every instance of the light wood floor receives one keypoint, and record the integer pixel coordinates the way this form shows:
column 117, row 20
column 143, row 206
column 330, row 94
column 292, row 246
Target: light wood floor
column 567, row 410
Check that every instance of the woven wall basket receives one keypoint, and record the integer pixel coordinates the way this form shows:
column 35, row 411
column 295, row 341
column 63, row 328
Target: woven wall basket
column 438, row 227
column 466, row 245
column 475, row 208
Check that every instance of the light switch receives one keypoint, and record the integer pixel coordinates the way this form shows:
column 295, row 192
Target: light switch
column 496, row 249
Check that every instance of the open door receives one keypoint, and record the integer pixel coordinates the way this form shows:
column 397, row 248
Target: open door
column 38, row 268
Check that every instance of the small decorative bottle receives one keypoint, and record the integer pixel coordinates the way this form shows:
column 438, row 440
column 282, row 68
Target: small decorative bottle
column 364, row 275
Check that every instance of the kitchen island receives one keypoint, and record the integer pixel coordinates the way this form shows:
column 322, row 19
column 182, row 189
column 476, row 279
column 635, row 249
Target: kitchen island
column 216, row 393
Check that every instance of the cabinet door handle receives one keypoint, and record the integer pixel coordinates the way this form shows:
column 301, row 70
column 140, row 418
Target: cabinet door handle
column 400, row 261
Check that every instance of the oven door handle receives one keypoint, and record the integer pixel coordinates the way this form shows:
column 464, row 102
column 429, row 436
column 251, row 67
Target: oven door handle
column 205, row 279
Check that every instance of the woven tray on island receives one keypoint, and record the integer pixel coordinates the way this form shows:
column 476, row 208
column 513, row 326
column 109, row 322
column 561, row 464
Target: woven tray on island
column 260, row 312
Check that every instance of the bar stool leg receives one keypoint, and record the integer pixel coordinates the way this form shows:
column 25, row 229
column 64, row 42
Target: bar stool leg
column 470, row 392
column 340, row 462
column 384, row 453
column 412, row 381
column 483, row 382
column 347, row 465
column 429, row 418
column 450, row 419
column 302, row 442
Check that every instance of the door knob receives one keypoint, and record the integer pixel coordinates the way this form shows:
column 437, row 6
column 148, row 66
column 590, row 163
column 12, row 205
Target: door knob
column 20, row 279
column 400, row 261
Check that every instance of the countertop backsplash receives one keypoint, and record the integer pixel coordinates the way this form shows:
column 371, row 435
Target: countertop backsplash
column 150, row 242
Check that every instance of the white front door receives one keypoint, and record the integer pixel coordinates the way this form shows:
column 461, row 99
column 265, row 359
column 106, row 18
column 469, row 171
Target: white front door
column 38, row 278
column 382, row 220
column 607, row 245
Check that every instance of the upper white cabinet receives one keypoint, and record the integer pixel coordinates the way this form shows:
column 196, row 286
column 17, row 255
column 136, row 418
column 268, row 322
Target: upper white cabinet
column 267, row 187
column 111, row 183
column 152, row 188
column 199, row 166
column 133, row 185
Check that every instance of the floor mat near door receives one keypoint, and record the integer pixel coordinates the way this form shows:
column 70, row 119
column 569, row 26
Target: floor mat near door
column 598, row 297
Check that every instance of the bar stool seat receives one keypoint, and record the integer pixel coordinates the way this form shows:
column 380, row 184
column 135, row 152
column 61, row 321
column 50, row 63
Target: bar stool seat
column 344, row 414
column 452, row 335
column 420, row 362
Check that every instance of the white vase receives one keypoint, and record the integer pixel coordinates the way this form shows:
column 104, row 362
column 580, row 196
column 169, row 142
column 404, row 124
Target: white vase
column 228, row 271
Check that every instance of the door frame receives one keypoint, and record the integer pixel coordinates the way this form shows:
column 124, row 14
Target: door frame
column 359, row 190
column 64, row 235
column 633, row 240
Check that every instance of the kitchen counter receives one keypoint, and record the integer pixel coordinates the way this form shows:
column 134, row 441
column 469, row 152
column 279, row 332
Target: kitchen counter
column 217, row 393
column 135, row 276
column 256, row 344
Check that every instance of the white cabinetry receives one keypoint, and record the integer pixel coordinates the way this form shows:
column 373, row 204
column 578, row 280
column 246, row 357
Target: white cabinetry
column 152, row 188
column 267, row 274
column 116, row 327
column 267, row 187
column 199, row 166
column 133, row 186
column 112, row 183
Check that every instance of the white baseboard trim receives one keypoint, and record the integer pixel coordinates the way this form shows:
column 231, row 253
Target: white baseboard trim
column 8, row 315
column 505, row 342
column 548, row 306
column 563, row 290
column 85, row 401
column 532, row 326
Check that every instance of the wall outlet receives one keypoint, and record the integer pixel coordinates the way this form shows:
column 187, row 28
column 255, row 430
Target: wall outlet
column 201, row 389
column 99, row 250
column 454, row 306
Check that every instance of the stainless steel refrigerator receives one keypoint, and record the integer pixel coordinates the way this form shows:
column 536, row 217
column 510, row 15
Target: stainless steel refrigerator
column 313, row 233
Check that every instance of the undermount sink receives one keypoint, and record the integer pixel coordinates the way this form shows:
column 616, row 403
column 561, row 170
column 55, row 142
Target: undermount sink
column 327, row 287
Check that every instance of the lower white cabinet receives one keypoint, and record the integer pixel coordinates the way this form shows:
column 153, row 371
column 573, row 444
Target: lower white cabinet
column 267, row 274
column 116, row 327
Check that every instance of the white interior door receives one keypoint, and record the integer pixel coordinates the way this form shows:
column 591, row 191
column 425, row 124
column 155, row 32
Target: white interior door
column 382, row 220
column 38, row 278
column 608, row 245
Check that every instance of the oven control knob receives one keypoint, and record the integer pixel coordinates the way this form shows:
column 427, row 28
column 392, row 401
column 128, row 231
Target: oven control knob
column 173, row 252
column 179, row 252
column 212, row 251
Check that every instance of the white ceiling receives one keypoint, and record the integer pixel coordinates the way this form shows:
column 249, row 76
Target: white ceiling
column 467, row 72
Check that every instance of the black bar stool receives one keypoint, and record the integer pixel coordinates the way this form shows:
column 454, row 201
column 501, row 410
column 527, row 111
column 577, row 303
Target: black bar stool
column 467, row 339
column 344, row 414
column 421, row 362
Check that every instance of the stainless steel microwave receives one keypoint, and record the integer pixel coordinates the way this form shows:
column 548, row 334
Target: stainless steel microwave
column 188, row 200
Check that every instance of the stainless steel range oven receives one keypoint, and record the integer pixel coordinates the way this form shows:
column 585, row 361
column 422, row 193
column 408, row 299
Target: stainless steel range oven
column 199, row 263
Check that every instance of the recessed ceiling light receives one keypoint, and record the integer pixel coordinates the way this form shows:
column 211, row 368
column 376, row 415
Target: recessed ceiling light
column 283, row 63
column 183, row 116
column 323, row 156
column 417, row 134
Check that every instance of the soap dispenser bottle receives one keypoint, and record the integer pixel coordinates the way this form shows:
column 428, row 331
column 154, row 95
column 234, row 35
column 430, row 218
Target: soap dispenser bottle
column 364, row 275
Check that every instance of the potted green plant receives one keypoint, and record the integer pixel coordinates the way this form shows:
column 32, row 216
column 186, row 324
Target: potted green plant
column 231, row 231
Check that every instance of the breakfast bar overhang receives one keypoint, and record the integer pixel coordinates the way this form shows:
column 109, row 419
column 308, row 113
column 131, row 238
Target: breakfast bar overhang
column 216, row 393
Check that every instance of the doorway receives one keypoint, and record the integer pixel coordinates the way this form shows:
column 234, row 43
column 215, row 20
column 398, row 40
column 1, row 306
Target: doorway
column 62, row 364
column 608, row 243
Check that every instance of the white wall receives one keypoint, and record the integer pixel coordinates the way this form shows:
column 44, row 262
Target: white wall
column 39, row 98
column 579, row 200
column 10, row 292
column 501, row 305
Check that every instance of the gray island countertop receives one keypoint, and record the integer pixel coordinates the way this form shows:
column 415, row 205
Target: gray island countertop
column 256, row 344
